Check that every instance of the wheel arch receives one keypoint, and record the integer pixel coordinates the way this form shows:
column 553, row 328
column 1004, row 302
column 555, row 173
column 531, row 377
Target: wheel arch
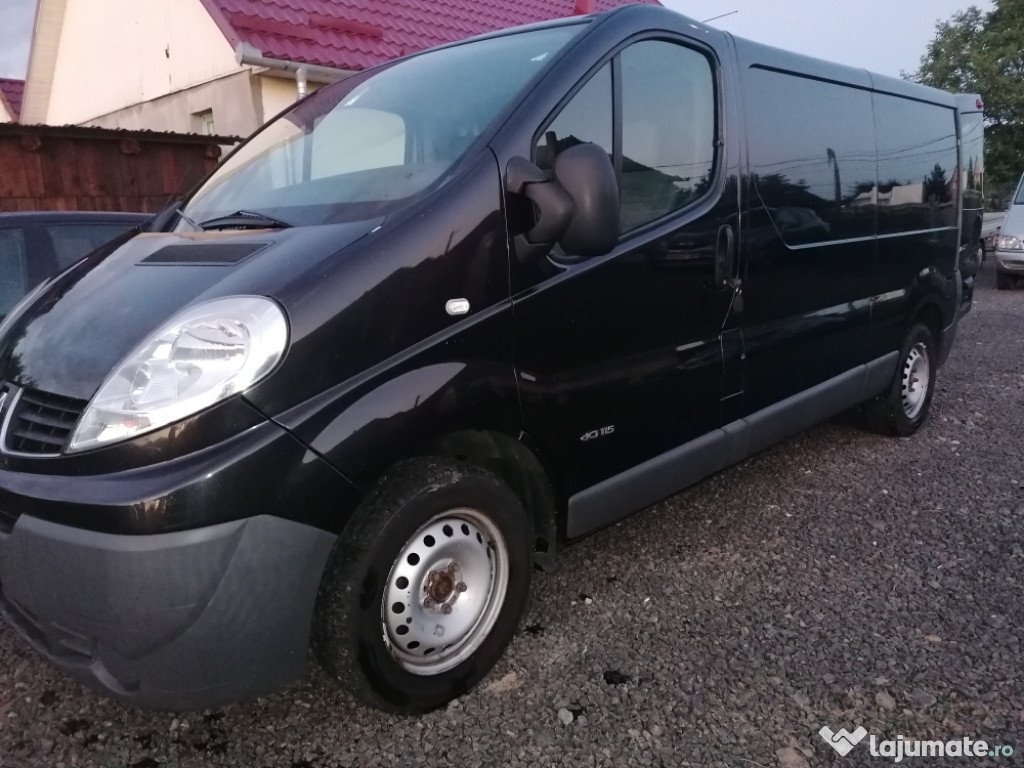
column 929, row 313
column 466, row 410
column 518, row 466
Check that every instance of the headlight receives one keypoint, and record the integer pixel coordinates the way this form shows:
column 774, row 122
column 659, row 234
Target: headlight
column 202, row 356
column 1009, row 243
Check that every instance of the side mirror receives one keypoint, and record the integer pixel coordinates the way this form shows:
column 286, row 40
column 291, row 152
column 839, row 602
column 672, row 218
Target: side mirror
column 578, row 208
column 585, row 173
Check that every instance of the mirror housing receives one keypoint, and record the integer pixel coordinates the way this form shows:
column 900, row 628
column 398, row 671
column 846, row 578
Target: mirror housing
column 578, row 208
column 586, row 174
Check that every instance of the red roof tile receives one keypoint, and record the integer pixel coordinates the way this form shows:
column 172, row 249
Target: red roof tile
column 358, row 34
column 12, row 91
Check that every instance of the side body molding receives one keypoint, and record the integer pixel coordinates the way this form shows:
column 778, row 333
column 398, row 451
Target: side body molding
column 664, row 475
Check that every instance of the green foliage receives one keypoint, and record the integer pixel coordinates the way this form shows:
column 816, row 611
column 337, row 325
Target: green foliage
column 978, row 52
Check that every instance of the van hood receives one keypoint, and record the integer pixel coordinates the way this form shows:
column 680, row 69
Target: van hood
column 88, row 319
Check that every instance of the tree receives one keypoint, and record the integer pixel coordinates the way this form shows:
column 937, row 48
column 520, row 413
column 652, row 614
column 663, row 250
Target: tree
column 935, row 185
column 978, row 52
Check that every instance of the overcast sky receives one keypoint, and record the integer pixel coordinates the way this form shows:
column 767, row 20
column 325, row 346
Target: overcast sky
column 16, row 17
column 885, row 36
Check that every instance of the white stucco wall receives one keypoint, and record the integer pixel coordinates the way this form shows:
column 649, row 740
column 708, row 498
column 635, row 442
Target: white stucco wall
column 116, row 53
column 232, row 102
column 278, row 93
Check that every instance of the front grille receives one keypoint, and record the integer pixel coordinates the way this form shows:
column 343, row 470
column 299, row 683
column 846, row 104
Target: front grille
column 41, row 423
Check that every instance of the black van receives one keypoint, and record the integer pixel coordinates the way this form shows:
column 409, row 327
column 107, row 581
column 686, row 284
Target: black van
column 442, row 317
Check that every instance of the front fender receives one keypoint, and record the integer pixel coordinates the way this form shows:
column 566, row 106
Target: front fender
column 455, row 382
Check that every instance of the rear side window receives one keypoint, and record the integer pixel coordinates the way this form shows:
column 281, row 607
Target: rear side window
column 662, row 144
column 73, row 241
column 13, row 269
column 812, row 149
column 917, row 163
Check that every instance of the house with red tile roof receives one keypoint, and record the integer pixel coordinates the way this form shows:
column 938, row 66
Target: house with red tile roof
column 226, row 66
column 10, row 99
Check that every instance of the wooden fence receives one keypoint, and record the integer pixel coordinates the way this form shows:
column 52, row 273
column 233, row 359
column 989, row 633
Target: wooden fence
column 72, row 168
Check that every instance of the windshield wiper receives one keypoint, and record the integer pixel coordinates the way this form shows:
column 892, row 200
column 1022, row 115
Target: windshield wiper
column 244, row 220
column 191, row 222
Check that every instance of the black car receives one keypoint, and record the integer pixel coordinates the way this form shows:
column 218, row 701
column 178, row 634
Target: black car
column 441, row 318
column 38, row 245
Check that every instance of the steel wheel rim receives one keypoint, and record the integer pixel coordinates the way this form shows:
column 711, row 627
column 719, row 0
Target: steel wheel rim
column 445, row 591
column 916, row 379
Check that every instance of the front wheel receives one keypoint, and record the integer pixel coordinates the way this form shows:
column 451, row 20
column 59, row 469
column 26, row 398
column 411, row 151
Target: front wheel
column 903, row 408
column 1004, row 282
column 425, row 587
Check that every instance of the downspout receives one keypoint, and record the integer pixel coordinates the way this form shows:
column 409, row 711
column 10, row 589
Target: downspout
column 246, row 54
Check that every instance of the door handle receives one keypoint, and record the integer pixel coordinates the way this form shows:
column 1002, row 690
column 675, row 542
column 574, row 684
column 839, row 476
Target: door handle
column 725, row 256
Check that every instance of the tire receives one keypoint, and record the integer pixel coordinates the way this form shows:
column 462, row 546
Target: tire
column 1004, row 282
column 440, row 549
column 903, row 407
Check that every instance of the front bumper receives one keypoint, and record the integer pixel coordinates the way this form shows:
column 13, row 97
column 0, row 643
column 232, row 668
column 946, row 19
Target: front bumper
column 1010, row 262
column 183, row 620
column 184, row 584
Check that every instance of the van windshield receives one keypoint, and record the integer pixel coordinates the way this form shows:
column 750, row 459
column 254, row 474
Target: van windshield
column 361, row 147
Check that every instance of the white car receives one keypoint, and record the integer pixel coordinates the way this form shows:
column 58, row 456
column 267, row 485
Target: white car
column 1009, row 245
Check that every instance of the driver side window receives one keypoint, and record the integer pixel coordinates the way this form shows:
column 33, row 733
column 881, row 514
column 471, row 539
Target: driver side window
column 662, row 145
column 586, row 118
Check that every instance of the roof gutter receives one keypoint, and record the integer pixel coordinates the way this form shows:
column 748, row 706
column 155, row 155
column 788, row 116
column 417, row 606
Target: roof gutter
column 247, row 54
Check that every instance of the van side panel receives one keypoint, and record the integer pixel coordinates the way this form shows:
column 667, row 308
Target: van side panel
column 808, row 235
column 836, row 263
column 918, row 215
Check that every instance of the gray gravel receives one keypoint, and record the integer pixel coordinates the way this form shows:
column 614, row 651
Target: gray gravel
column 839, row 579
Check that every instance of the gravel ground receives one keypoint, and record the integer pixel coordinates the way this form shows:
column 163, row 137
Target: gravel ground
column 838, row 579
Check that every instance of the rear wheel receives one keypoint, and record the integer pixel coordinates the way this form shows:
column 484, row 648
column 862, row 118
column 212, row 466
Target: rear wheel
column 425, row 587
column 903, row 408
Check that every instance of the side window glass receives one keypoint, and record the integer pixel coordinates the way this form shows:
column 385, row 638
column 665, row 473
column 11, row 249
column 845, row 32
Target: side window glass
column 917, row 162
column 73, row 241
column 586, row 118
column 668, row 130
column 814, row 177
column 13, row 278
